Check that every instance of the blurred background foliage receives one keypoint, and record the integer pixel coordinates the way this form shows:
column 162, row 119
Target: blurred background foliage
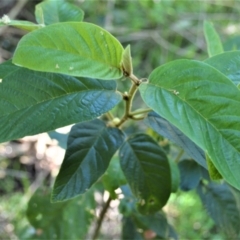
column 159, row 31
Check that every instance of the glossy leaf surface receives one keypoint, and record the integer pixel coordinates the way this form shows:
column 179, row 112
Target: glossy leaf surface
column 60, row 220
column 221, row 206
column 34, row 102
column 147, row 170
column 214, row 44
column 77, row 49
column 90, row 147
column 52, row 11
column 227, row 63
column 204, row 105
column 169, row 131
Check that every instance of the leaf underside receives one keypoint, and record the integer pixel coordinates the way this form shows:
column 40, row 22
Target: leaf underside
column 166, row 129
column 221, row 206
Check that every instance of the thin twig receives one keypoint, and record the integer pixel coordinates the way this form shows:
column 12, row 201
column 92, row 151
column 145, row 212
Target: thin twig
column 14, row 12
column 37, row 183
column 128, row 99
column 100, row 219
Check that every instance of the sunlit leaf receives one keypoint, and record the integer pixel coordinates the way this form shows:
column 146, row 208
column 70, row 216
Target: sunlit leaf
column 35, row 102
column 77, row 49
column 204, row 105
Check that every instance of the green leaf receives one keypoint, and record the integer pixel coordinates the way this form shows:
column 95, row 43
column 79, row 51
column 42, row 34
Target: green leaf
column 213, row 172
column 113, row 178
column 169, row 131
column 127, row 206
column 190, row 174
column 172, row 233
column 214, row 44
column 147, row 171
column 52, row 11
column 129, row 230
column 60, row 220
column 232, row 43
column 127, row 62
column 87, row 51
column 175, row 175
column 221, row 206
column 34, row 102
column 204, row 105
column 227, row 63
column 25, row 25
column 90, row 147
column 236, row 194
column 156, row 222
column 60, row 137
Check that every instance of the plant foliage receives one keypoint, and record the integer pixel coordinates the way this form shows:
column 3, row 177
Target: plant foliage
column 65, row 71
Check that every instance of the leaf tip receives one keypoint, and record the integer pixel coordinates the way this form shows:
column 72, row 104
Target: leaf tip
column 126, row 64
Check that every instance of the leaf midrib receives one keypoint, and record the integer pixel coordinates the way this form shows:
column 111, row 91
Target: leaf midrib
column 210, row 124
column 97, row 137
column 75, row 54
column 52, row 99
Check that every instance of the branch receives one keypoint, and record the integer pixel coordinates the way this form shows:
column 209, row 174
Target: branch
column 100, row 219
column 128, row 98
column 14, row 12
